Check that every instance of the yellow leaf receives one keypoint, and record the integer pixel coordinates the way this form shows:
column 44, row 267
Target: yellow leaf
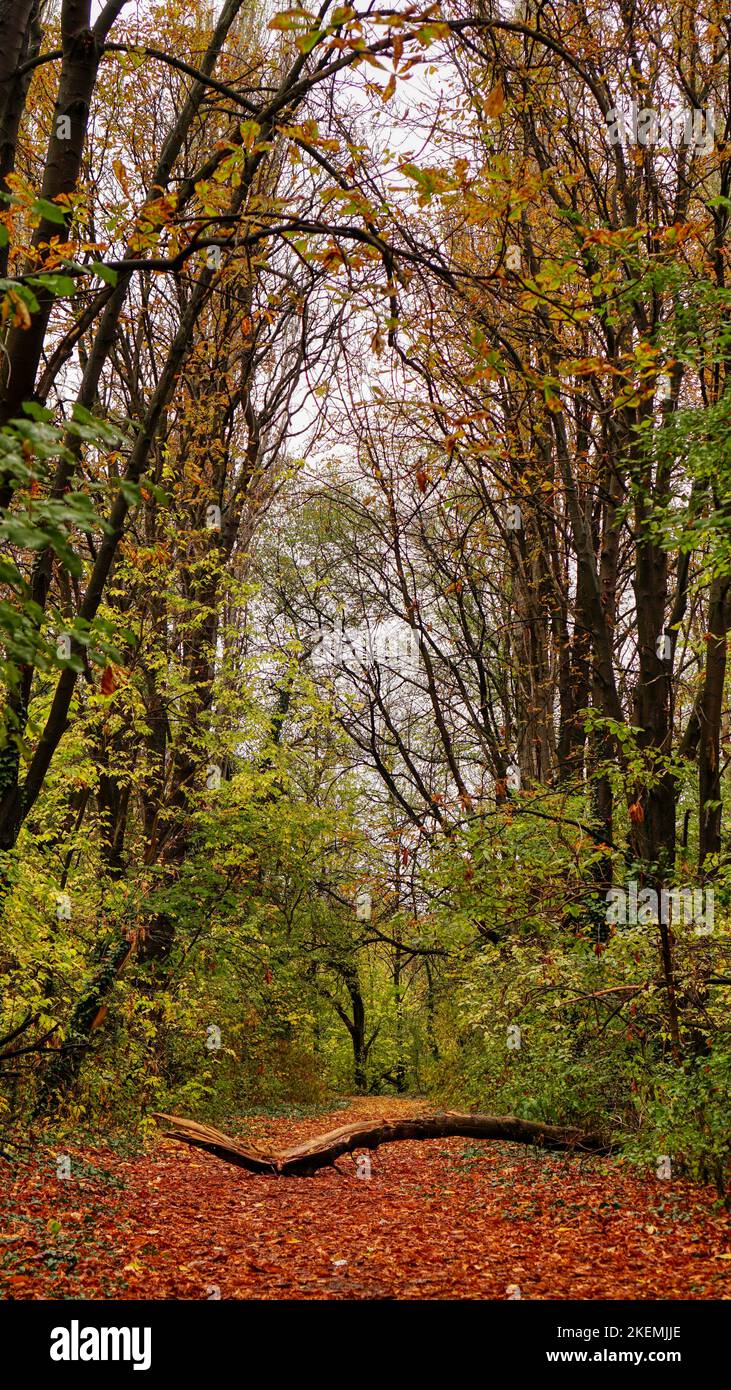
column 121, row 174
column 495, row 102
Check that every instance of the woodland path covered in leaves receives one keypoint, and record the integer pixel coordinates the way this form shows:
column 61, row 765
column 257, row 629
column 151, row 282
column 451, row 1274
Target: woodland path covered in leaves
column 443, row 1219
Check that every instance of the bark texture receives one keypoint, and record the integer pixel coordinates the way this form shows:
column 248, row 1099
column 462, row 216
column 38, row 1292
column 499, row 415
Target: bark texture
column 324, row 1150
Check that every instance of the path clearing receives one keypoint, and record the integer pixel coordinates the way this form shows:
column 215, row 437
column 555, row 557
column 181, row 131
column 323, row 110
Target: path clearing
column 443, row 1219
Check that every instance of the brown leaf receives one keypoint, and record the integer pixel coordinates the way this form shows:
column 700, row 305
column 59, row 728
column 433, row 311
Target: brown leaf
column 495, row 101
column 108, row 681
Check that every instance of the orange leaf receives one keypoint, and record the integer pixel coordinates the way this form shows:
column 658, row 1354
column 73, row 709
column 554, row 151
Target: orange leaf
column 495, row 102
column 108, row 681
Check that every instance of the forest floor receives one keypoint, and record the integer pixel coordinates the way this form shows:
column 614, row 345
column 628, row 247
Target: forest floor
column 441, row 1219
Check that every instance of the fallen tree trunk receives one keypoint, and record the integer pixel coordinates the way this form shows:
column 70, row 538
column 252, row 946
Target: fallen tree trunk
column 326, row 1148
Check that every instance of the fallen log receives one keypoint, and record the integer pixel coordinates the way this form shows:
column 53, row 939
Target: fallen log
column 369, row 1134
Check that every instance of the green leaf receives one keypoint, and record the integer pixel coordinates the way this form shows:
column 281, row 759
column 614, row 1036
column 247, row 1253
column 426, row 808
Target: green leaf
column 50, row 212
column 97, row 429
column 24, row 292
column 57, row 284
column 307, row 42
column 292, row 18
column 104, row 272
column 37, row 412
column 154, row 489
column 130, row 492
column 18, row 533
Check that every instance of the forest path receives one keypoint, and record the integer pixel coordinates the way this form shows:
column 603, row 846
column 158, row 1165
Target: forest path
column 442, row 1219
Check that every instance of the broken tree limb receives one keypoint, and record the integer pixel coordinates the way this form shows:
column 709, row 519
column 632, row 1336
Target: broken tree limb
column 369, row 1134
column 214, row 1142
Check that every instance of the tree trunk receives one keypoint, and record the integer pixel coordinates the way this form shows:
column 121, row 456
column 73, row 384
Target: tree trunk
column 400, row 1068
column 326, row 1148
column 710, row 712
column 65, row 1066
